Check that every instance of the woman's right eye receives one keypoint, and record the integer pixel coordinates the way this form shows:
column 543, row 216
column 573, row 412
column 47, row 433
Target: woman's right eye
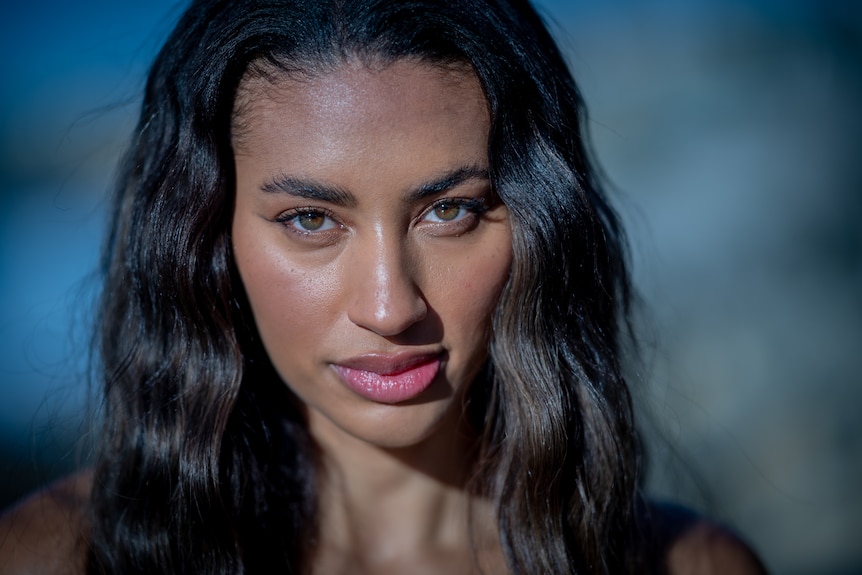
column 308, row 221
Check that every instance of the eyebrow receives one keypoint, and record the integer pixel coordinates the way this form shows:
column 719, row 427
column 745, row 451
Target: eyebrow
column 448, row 181
column 314, row 190
column 309, row 189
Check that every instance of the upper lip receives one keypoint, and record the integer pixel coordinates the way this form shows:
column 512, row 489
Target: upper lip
column 389, row 363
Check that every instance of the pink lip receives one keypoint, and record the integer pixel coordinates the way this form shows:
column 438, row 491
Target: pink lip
column 389, row 378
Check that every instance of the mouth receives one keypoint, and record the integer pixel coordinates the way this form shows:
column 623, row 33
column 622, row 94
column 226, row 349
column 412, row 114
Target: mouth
column 389, row 379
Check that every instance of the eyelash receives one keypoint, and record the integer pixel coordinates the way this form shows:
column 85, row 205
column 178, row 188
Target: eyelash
column 474, row 206
column 465, row 223
column 290, row 216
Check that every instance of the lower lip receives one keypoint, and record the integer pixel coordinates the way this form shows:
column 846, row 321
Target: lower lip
column 390, row 388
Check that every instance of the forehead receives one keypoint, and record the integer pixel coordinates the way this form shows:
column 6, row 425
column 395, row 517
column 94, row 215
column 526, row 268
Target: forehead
column 355, row 97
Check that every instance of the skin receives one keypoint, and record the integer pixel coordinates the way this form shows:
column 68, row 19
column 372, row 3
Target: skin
column 382, row 271
column 385, row 273
column 45, row 534
column 402, row 249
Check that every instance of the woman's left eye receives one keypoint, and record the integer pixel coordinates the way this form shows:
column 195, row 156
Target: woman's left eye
column 453, row 210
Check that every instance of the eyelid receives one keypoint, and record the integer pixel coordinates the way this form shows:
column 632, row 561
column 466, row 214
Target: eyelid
column 287, row 217
column 475, row 205
column 464, row 223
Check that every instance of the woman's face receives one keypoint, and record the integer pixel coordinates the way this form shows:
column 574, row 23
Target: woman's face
column 369, row 242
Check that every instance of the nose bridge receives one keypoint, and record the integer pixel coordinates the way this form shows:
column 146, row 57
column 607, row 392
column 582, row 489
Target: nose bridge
column 385, row 296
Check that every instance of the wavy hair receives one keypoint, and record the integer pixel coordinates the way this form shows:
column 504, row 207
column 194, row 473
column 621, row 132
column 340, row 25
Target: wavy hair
column 206, row 464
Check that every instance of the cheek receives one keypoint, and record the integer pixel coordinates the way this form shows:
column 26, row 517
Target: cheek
column 291, row 305
column 475, row 290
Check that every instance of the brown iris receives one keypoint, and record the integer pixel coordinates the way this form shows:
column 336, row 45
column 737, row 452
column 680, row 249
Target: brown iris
column 447, row 212
column 311, row 221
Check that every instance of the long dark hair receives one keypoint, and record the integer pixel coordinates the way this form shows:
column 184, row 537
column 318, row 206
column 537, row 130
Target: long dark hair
column 206, row 465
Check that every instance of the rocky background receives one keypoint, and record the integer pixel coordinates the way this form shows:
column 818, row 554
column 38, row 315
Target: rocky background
column 731, row 132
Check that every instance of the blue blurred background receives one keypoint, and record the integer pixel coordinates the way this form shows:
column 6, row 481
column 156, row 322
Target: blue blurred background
column 732, row 133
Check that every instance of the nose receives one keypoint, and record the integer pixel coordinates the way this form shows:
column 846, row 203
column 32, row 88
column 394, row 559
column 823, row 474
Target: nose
column 384, row 295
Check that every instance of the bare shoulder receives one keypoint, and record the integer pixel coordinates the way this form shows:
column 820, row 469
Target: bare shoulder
column 696, row 545
column 44, row 534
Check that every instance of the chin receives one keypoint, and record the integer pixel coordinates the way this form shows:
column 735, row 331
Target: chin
column 392, row 427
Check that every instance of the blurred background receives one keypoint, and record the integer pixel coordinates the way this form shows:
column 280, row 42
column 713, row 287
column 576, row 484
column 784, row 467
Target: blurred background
column 731, row 132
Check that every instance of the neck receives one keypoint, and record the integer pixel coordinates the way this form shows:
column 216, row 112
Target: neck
column 380, row 505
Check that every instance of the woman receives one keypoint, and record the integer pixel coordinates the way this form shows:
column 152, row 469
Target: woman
column 362, row 313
